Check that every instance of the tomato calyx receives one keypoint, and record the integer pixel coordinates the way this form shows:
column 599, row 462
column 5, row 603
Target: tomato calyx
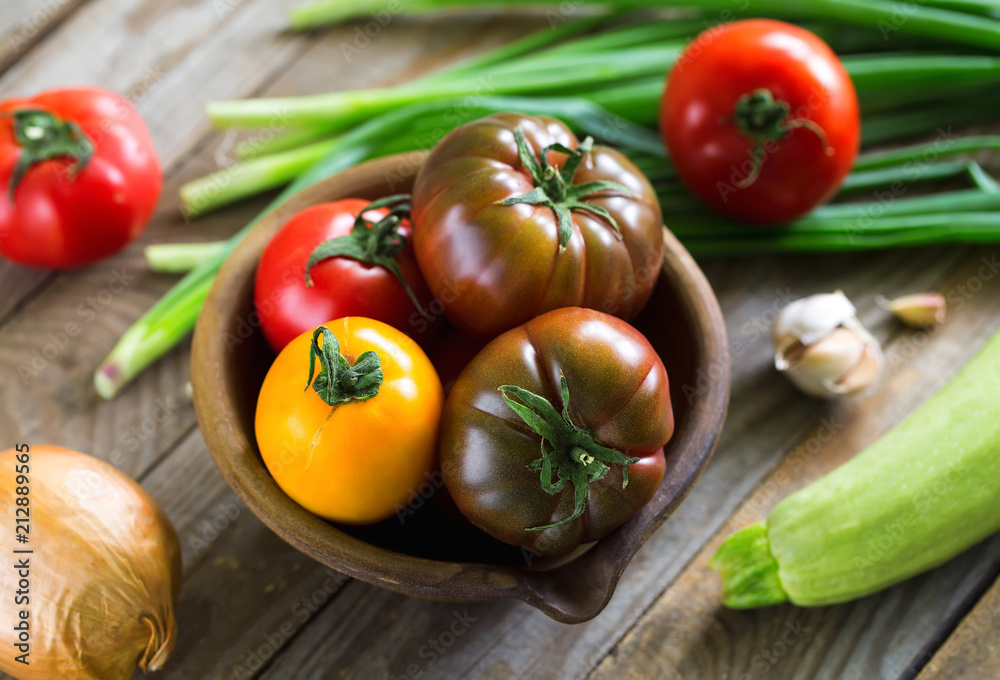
column 555, row 189
column 569, row 452
column 43, row 136
column 376, row 243
column 762, row 118
column 338, row 381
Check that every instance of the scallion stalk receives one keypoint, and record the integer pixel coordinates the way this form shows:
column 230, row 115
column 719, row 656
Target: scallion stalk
column 892, row 232
column 180, row 258
column 247, row 178
column 338, row 110
column 936, row 19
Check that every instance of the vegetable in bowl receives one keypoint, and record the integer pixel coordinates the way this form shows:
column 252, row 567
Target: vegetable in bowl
column 347, row 420
column 521, row 218
column 553, row 435
column 351, row 257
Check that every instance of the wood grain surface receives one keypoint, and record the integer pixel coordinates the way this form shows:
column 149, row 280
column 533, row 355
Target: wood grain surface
column 251, row 607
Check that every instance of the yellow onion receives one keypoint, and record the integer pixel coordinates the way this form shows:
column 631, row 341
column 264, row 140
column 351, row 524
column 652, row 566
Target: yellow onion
column 103, row 575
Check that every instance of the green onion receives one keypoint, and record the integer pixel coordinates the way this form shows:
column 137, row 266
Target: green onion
column 945, row 146
column 867, row 180
column 927, row 19
column 896, row 232
column 338, row 110
column 179, row 258
column 248, row 178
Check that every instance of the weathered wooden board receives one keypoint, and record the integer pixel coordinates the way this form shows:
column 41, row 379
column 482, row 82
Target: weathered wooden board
column 24, row 23
column 973, row 650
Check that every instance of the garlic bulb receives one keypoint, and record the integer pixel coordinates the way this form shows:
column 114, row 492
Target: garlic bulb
column 919, row 310
column 102, row 576
column 823, row 348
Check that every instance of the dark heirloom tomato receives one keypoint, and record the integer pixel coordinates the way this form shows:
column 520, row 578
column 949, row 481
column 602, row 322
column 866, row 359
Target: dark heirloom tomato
column 761, row 120
column 497, row 466
column 506, row 231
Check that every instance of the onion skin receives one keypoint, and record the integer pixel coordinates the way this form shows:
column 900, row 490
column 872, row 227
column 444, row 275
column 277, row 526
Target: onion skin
column 105, row 572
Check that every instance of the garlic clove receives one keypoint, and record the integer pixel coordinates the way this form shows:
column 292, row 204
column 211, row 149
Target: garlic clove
column 863, row 374
column 823, row 348
column 919, row 310
column 811, row 318
column 817, row 369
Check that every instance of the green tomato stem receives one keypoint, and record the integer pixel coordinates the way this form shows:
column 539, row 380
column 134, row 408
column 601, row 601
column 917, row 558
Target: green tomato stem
column 569, row 452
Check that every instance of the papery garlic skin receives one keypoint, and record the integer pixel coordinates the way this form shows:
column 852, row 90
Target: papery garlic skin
column 811, row 318
column 823, row 348
column 104, row 573
column 920, row 310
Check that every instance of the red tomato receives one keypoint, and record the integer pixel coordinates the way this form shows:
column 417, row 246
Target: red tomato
column 341, row 285
column 79, row 176
column 767, row 95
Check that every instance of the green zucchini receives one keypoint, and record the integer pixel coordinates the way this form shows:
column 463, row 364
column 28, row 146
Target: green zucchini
column 923, row 493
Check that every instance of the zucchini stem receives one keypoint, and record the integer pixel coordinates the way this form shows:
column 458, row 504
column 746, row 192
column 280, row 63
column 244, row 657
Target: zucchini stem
column 749, row 571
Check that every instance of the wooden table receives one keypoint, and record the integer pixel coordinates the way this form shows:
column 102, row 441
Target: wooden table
column 252, row 607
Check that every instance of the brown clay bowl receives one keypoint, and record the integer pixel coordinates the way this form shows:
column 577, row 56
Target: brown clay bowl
column 432, row 554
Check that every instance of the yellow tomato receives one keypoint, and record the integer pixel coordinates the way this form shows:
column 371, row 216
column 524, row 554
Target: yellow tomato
column 356, row 462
